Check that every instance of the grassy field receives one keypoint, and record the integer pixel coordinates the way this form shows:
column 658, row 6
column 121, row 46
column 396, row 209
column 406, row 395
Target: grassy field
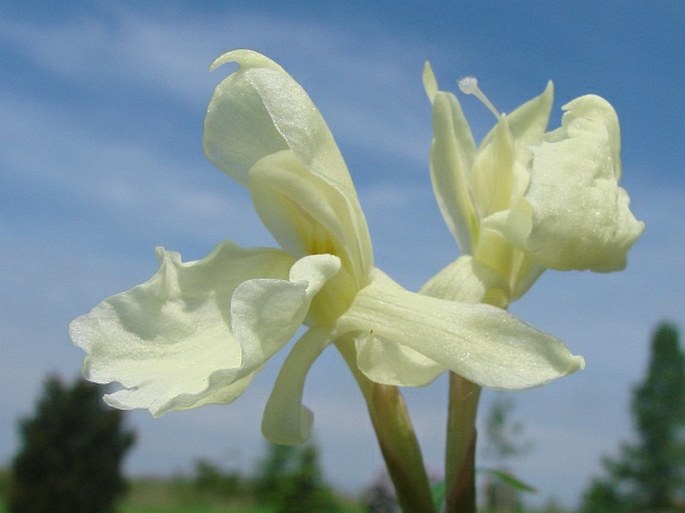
column 164, row 496
column 154, row 495
column 179, row 508
column 131, row 506
column 198, row 508
column 168, row 496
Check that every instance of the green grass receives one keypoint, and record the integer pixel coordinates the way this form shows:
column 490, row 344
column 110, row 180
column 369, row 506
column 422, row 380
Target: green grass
column 131, row 507
column 169, row 496
column 152, row 495
column 197, row 508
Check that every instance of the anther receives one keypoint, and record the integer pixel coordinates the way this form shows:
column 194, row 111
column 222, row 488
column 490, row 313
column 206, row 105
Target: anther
column 469, row 85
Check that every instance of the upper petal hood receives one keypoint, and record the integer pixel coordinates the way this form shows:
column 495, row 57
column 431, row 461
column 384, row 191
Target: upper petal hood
column 258, row 112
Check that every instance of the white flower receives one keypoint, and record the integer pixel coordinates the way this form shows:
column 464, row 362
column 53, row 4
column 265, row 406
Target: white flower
column 198, row 332
column 526, row 199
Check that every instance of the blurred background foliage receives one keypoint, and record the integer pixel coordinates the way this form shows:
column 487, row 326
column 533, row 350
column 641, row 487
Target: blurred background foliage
column 71, row 453
column 648, row 475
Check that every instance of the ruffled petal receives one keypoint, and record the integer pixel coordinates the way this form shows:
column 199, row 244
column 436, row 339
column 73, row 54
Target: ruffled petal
column 574, row 214
column 286, row 421
column 482, row 343
column 452, row 153
column 168, row 341
column 260, row 110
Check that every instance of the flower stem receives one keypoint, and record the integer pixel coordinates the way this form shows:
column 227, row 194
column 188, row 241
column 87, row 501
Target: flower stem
column 396, row 438
column 400, row 449
column 460, row 453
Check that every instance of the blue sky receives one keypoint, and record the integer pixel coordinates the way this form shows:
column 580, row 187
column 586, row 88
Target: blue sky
column 102, row 106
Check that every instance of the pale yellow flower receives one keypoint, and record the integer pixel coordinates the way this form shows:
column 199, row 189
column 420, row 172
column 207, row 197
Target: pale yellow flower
column 526, row 199
column 198, row 332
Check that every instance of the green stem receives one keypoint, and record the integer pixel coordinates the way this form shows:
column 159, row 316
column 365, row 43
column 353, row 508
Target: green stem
column 400, row 450
column 396, row 438
column 460, row 453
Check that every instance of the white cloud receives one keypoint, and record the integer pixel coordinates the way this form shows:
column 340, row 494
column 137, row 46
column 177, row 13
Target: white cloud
column 374, row 102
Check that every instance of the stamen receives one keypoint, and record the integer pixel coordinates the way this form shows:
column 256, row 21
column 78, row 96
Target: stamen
column 469, row 85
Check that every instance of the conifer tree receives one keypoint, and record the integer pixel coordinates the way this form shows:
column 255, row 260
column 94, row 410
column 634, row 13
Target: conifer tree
column 649, row 475
column 71, row 453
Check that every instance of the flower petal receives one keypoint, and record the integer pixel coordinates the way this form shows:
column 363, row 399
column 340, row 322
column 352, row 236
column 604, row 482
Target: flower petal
column 260, row 110
column 452, row 153
column 574, row 215
column 528, row 122
column 465, row 280
column 430, row 83
column 168, row 341
column 265, row 94
column 493, row 175
column 482, row 343
column 468, row 280
column 306, row 215
column 266, row 313
column 389, row 363
column 286, row 421
column 527, row 272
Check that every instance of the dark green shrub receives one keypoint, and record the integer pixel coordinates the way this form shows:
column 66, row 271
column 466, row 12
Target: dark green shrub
column 290, row 480
column 306, row 491
column 210, row 481
column 71, row 453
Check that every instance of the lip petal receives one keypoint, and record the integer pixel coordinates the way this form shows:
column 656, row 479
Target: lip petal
column 579, row 215
column 169, row 341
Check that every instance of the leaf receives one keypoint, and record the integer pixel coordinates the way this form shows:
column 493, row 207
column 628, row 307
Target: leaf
column 438, row 493
column 509, row 479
